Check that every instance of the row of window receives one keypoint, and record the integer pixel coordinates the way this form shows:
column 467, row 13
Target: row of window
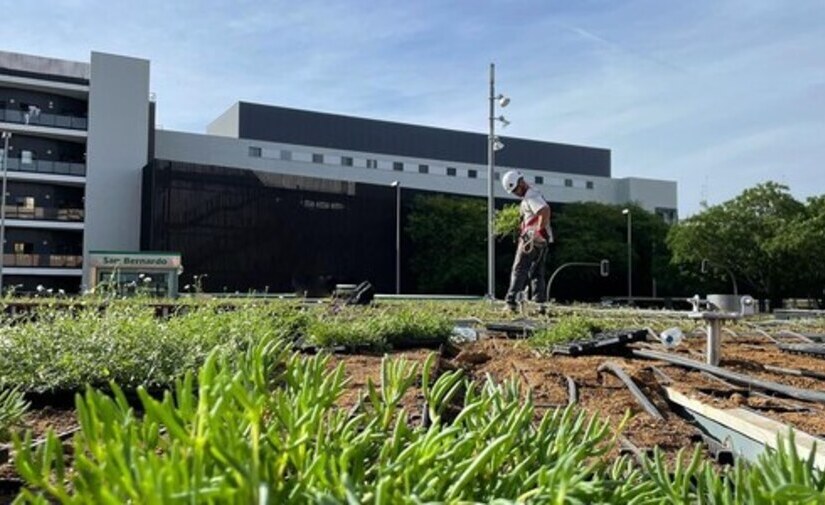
column 398, row 166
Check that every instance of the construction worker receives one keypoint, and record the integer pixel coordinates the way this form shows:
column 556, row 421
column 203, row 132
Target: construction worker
column 535, row 235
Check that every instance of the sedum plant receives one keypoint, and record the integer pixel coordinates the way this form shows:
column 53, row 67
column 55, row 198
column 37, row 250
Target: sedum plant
column 266, row 428
column 12, row 408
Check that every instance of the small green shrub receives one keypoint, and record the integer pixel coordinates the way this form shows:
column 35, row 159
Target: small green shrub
column 566, row 329
column 378, row 327
column 58, row 350
column 507, row 222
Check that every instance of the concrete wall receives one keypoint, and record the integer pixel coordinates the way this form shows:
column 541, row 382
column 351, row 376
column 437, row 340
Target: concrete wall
column 234, row 153
column 650, row 194
column 41, row 65
column 116, row 153
column 227, row 124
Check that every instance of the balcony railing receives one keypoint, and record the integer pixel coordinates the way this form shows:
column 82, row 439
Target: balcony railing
column 46, row 167
column 43, row 260
column 44, row 119
column 44, row 213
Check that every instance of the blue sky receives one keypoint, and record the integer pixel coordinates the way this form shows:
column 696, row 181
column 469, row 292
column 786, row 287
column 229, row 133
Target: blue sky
column 716, row 94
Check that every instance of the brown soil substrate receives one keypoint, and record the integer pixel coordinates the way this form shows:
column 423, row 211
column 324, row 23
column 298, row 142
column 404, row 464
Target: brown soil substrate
column 599, row 393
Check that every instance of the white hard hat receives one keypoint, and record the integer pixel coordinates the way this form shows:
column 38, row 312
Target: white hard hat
column 511, row 179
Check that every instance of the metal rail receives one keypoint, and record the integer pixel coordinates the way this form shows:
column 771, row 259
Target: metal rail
column 629, row 448
column 789, row 391
column 787, row 404
column 789, row 333
column 793, row 371
column 744, row 432
column 663, row 377
column 637, row 393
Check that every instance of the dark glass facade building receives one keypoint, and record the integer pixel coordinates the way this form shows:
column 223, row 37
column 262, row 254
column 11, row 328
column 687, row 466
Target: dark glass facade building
column 250, row 230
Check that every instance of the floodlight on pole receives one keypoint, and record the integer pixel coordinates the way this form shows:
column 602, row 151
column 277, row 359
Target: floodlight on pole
column 493, row 145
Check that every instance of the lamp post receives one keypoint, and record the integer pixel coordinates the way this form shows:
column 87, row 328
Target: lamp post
column 493, row 145
column 627, row 213
column 6, row 137
column 397, row 186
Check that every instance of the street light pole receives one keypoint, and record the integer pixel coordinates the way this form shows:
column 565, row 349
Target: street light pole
column 491, row 153
column 6, row 137
column 397, row 185
column 627, row 213
column 493, row 145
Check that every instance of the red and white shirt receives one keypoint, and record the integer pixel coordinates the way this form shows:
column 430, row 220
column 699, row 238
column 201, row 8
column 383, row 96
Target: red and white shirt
column 531, row 203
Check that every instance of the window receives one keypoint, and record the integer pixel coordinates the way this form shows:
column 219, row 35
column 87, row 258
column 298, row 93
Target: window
column 423, row 169
column 318, row 158
column 568, row 183
column 539, row 179
column 26, row 157
column 372, row 163
column 346, row 161
column 286, row 155
column 255, row 152
column 451, row 171
column 589, row 185
column 472, row 174
column 666, row 214
column 497, row 175
column 23, row 247
column 398, row 166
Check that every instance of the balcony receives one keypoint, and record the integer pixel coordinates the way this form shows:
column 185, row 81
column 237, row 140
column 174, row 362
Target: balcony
column 43, row 260
column 44, row 119
column 47, row 167
column 44, row 213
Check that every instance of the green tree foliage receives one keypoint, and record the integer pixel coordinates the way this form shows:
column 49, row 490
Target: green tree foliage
column 507, row 222
column 590, row 231
column 804, row 240
column 767, row 238
column 449, row 237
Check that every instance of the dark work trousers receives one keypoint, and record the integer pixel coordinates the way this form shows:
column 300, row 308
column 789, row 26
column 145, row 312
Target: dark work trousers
column 528, row 266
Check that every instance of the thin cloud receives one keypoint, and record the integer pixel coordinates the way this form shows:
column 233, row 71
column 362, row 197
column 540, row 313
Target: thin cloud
column 729, row 91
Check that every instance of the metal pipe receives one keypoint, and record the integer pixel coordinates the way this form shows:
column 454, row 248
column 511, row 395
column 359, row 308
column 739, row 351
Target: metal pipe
column 562, row 267
column 735, row 377
column 663, row 377
column 6, row 137
column 793, row 371
column 634, row 389
column 572, row 391
column 789, row 333
column 491, row 252
column 714, row 347
column 398, row 238
column 629, row 257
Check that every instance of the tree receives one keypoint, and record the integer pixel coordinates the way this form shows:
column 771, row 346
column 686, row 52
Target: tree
column 803, row 239
column 590, row 231
column 448, row 235
column 749, row 235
